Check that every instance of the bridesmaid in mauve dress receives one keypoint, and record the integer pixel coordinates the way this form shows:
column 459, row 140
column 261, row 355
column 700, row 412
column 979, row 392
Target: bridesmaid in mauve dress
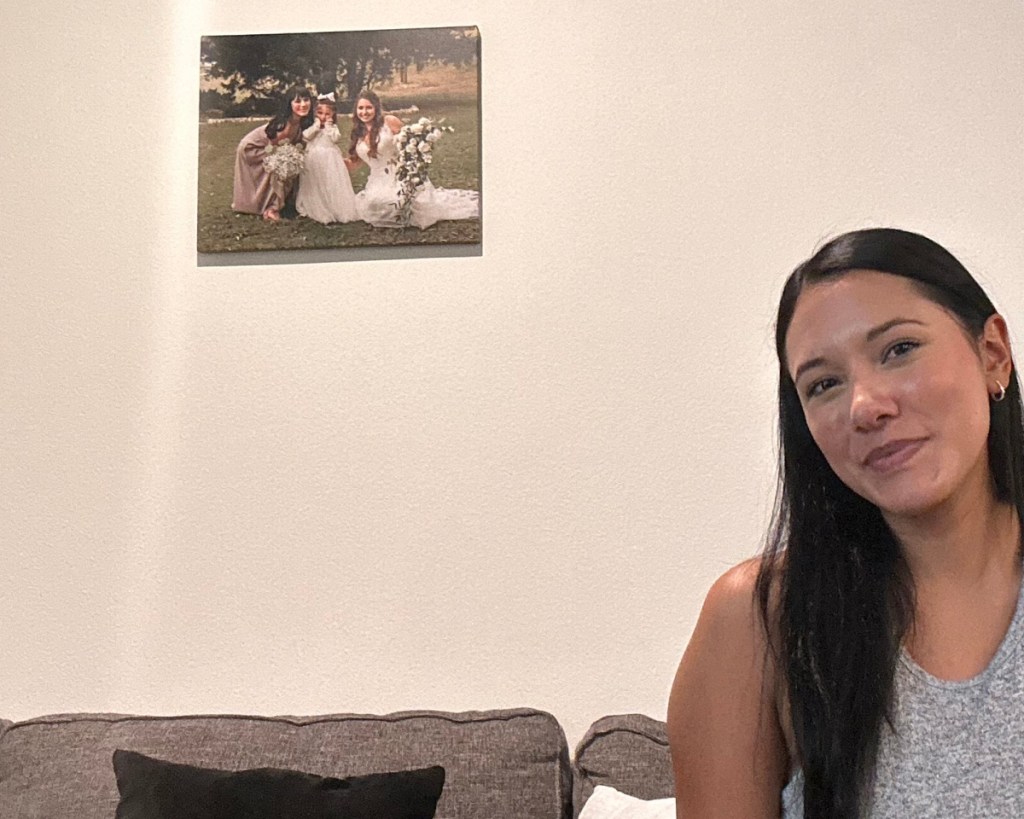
column 255, row 190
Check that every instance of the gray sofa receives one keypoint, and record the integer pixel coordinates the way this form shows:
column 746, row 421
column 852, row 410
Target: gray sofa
column 499, row 764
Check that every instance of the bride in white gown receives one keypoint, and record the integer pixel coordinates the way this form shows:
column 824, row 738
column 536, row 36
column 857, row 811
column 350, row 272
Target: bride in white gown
column 373, row 142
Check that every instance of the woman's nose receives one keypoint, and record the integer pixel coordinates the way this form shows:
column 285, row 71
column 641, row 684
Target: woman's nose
column 872, row 402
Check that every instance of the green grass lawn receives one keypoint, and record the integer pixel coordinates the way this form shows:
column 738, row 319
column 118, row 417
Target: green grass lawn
column 456, row 165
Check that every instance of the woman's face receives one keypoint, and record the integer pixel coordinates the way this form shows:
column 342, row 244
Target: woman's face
column 895, row 393
column 301, row 106
column 365, row 111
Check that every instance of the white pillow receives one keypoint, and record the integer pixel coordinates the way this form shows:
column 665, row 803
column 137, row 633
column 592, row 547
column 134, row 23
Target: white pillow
column 608, row 803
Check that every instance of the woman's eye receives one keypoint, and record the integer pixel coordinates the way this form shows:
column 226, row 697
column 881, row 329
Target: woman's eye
column 820, row 386
column 900, row 348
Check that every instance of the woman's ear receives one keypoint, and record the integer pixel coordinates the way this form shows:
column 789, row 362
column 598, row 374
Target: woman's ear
column 996, row 355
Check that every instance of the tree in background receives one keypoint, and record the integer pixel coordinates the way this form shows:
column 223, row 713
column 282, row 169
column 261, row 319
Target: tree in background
column 263, row 65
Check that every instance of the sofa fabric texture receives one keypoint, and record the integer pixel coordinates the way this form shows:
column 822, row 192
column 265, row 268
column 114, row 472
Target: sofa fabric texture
column 498, row 764
column 627, row 752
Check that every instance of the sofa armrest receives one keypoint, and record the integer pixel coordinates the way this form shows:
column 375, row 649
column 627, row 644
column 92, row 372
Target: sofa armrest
column 628, row 752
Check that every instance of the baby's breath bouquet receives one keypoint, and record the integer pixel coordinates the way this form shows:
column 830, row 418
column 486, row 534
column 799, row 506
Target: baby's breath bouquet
column 415, row 143
column 285, row 161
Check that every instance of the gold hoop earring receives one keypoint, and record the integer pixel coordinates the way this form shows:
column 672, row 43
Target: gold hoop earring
column 999, row 396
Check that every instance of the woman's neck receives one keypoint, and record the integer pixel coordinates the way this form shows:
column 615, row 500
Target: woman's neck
column 965, row 564
column 966, row 540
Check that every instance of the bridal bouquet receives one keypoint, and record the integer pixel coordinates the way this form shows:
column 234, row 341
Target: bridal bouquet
column 285, row 161
column 415, row 143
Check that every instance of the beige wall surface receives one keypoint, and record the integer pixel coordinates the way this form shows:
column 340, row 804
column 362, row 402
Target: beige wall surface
column 446, row 483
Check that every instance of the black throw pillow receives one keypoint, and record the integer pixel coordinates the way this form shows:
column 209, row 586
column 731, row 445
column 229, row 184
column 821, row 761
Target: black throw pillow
column 154, row 789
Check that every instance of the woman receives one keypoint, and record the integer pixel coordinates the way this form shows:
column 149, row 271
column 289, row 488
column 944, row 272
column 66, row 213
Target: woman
column 255, row 189
column 373, row 142
column 870, row 663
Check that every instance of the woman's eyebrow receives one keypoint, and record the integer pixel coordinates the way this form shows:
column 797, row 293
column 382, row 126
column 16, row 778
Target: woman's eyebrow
column 807, row 365
column 884, row 327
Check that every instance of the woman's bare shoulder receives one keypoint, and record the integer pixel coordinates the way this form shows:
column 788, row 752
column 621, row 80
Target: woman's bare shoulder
column 393, row 122
column 723, row 720
column 729, row 639
column 732, row 601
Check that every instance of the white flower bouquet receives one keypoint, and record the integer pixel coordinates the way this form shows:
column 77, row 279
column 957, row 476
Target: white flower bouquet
column 415, row 143
column 285, row 161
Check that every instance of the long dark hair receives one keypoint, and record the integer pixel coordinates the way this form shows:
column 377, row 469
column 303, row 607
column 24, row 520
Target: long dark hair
column 834, row 591
column 284, row 111
column 359, row 129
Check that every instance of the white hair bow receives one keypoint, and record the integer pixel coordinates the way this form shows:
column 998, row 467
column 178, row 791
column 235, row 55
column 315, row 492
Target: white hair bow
column 328, row 97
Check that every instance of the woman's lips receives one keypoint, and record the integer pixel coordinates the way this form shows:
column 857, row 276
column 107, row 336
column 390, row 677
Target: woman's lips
column 893, row 455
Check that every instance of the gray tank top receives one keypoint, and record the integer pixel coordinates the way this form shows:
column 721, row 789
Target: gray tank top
column 958, row 750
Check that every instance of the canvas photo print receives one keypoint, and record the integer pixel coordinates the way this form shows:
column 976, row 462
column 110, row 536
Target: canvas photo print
column 345, row 139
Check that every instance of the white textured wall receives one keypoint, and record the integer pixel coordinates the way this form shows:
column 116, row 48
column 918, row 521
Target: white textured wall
column 445, row 483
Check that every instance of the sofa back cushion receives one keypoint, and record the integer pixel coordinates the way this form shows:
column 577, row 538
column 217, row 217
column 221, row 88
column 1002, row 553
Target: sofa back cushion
column 498, row 764
column 628, row 752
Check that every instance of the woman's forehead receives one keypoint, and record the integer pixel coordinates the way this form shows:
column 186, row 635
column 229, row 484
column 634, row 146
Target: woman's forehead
column 852, row 295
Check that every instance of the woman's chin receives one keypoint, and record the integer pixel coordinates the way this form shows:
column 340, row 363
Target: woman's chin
column 904, row 496
column 911, row 503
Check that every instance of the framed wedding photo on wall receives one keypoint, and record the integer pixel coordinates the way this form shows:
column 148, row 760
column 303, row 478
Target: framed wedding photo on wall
column 339, row 140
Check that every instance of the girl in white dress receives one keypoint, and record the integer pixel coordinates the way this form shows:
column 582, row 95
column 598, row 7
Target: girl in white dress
column 373, row 142
column 325, row 188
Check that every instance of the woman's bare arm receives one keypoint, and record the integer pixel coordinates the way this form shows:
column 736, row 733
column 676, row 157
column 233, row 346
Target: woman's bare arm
column 728, row 750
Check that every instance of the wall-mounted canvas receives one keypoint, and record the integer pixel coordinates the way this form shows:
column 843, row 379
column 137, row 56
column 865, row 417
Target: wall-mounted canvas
column 344, row 139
